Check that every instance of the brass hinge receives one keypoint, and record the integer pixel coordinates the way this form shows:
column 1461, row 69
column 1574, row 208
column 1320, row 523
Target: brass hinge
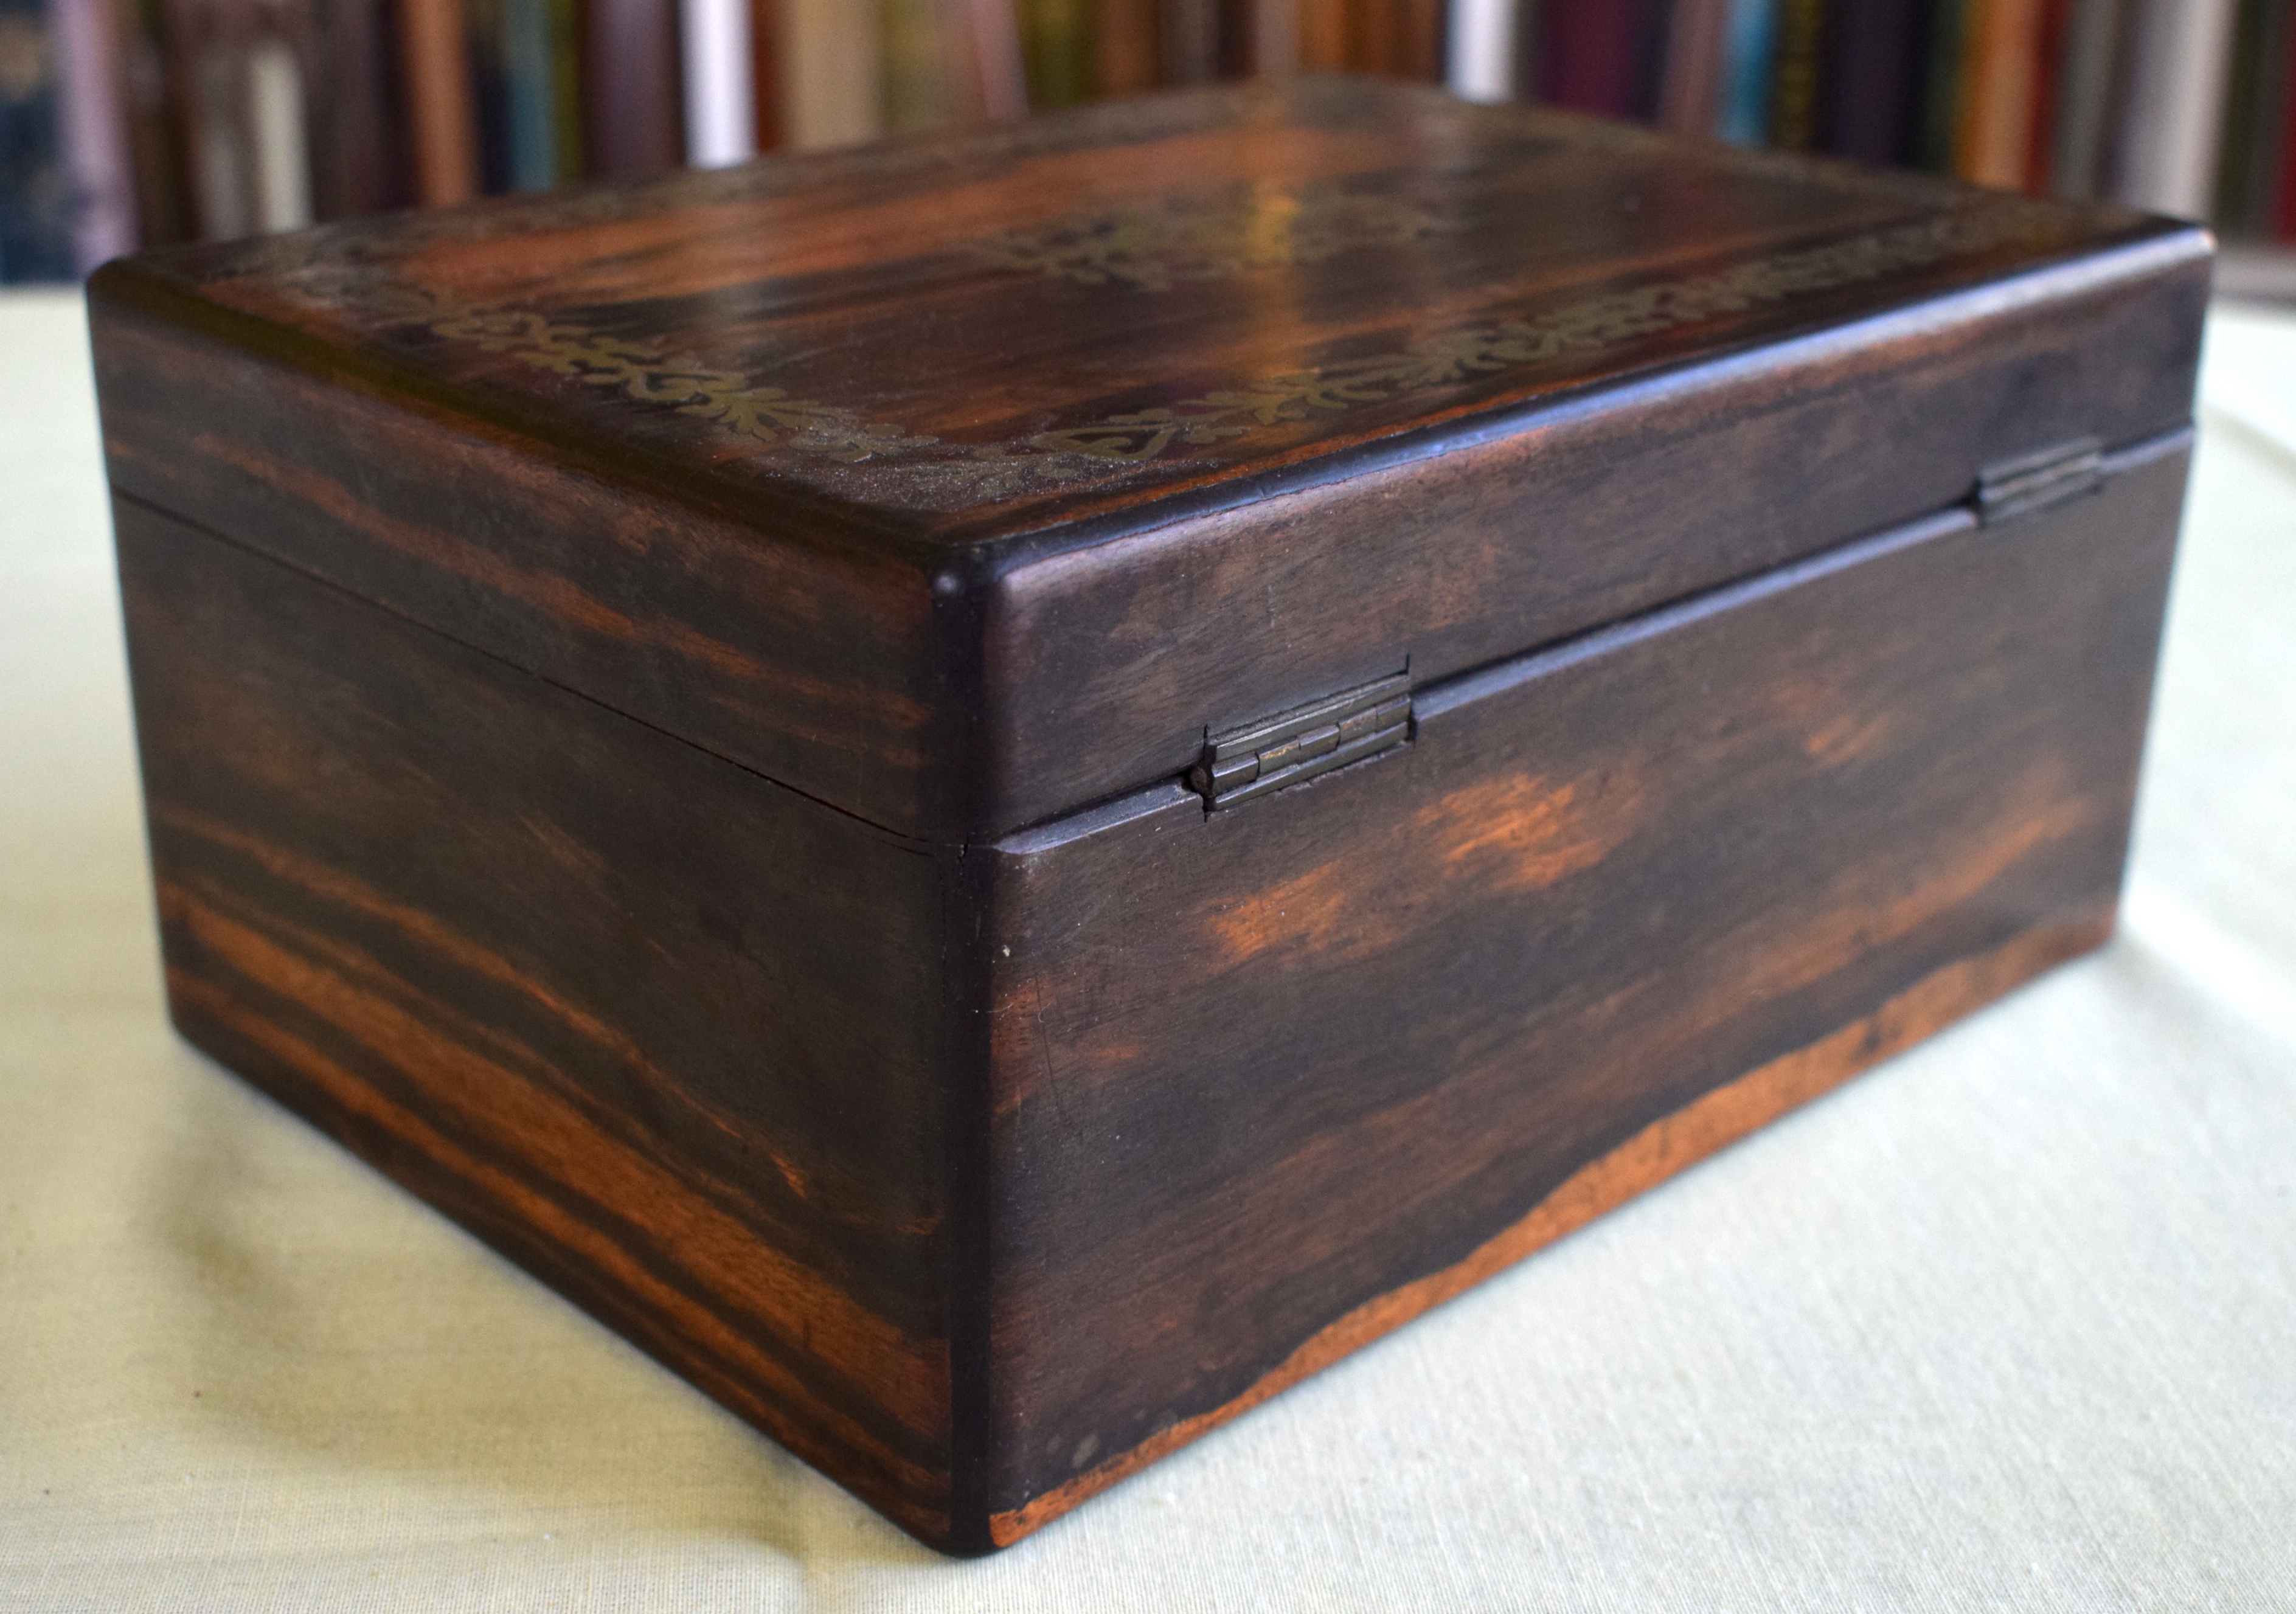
column 2034, row 482
column 1263, row 756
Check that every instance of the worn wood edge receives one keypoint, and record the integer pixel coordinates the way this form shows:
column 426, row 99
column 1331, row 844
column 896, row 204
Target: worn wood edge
column 1662, row 1149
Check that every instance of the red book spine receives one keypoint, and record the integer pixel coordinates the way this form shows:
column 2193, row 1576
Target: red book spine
column 1591, row 56
column 2284, row 208
column 2040, row 141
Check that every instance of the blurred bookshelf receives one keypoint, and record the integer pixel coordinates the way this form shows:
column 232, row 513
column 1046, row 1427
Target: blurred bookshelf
column 129, row 123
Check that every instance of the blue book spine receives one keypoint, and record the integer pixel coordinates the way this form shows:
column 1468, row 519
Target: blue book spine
column 529, row 71
column 1750, row 48
column 36, row 205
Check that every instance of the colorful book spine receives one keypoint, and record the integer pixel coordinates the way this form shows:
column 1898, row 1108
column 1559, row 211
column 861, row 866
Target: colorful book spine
column 2001, row 65
column 92, row 129
column 1275, row 39
column 913, row 75
column 1192, row 40
column 530, row 113
column 720, row 82
column 1690, row 84
column 1478, row 52
column 1869, row 91
column 440, row 102
column 1750, row 49
column 631, row 105
column 36, row 191
column 1127, row 51
column 163, row 202
column 1530, row 35
column 566, row 81
column 1800, row 38
column 767, row 117
column 2174, row 113
column 2247, row 171
column 986, row 53
column 1323, row 33
column 1946, row 52
column 278, row 118
column 2280, row 184
column 1056, row 51
column 358, row 162
column 489, row 91
column 1596, row 56
column 2088, row 80
column 831, row 58
column 1398, row 39
column 2048, row 89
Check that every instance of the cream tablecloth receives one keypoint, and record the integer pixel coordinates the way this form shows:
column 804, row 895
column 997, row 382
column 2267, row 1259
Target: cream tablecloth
column 2009, row 1322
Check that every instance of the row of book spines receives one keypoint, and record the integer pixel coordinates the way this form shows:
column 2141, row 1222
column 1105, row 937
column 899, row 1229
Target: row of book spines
column 364, row 104
column 2079, row 98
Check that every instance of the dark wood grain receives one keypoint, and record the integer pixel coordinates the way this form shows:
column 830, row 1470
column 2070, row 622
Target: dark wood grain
column 1106, row 665
column 666, row 1033
column 661, row 710
column 1268, row 1081
column 955, row 482
column 987, row 288
column 812, row 667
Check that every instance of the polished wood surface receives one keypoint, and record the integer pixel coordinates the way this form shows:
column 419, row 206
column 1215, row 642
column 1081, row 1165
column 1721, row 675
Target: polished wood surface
column 1263, row 1074
column 667, row 1033
column 980, row 1177
column 958, row 482
column 1659, row 1150
column 1292, row 270
column 663, row 711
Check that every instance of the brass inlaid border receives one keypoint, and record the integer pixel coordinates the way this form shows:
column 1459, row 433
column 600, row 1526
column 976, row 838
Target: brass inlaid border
column 647, row 376
column 770, row 415
column 1598, row 322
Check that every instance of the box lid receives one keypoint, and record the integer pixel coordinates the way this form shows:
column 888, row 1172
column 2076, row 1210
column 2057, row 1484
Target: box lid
column 1087, row 394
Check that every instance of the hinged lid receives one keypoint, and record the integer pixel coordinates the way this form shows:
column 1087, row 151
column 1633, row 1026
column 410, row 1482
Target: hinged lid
column 1262, row 758
column 2041, row 480
column 1009, row 462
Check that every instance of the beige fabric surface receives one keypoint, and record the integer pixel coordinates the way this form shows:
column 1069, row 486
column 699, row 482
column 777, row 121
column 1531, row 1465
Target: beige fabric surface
column 2009, row 1322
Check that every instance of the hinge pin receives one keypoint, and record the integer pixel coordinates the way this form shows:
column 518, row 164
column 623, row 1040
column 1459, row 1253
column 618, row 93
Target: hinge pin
column 1263, row 756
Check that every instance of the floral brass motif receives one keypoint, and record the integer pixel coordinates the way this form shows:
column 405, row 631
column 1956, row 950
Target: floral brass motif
column 1218, row 236
column 767, row 414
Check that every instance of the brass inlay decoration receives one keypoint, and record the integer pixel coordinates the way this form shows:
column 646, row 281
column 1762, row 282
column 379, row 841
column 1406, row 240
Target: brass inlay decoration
column 767, row 414
column 1597, row 322
column 1227, row 232
column 1227, row 235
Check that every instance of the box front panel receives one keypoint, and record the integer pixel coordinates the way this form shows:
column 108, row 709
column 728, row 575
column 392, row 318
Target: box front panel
column 1270, row 1080
column 665, row 1033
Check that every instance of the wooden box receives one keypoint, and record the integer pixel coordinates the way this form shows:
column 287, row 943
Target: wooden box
column 998, row 792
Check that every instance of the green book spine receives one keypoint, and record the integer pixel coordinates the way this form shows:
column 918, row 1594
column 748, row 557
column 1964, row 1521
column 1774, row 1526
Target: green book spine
column 1794, row 72
column 566, row 90
column 915, row 82
column 1945, row 82
column 1056, row 51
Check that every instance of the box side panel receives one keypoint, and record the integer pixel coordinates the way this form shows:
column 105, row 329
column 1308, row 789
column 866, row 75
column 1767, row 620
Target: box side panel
column 809, row 666
column 1104, row 666
column 663, row 1032
column 1271, row 1080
